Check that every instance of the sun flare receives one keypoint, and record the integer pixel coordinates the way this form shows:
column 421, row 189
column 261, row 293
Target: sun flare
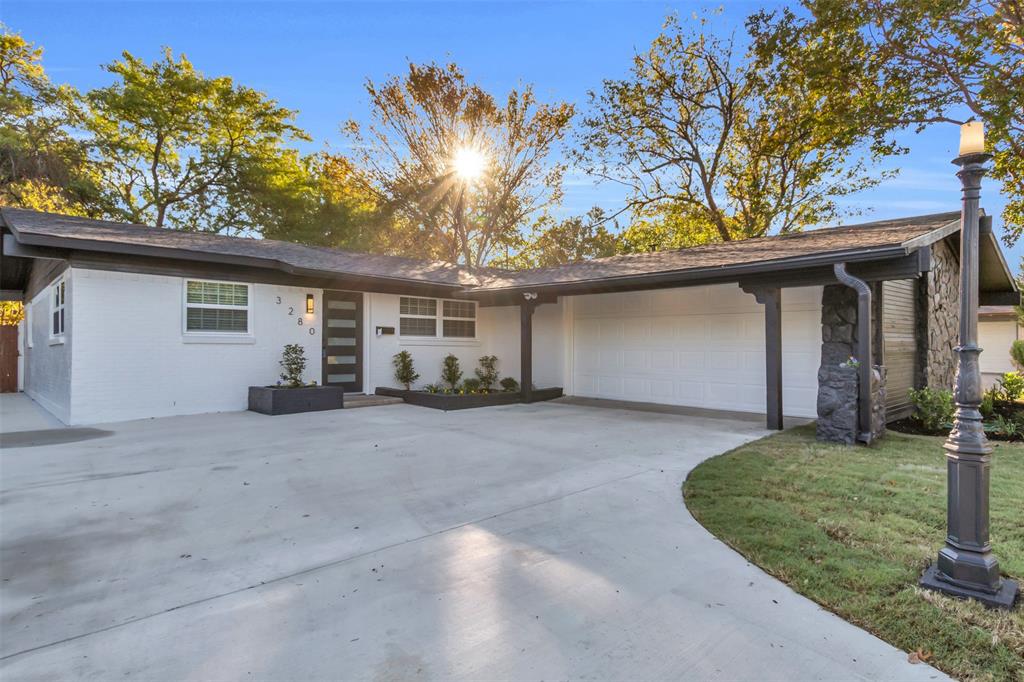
column 468, row 164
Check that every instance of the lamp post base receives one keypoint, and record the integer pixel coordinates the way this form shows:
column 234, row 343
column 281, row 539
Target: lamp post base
column 1003, row 598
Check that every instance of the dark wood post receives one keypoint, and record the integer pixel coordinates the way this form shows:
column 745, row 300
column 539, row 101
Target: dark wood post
column 771, row 299
column 526, row 308
column 773, row 356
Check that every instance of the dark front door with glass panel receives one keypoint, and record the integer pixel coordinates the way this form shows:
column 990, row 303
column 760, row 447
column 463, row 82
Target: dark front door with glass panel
column 343, row 340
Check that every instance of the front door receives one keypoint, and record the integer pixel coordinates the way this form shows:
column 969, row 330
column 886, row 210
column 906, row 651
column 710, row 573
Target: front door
column 343, row 340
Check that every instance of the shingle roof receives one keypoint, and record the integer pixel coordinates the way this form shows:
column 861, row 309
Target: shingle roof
column 877, row 235
column 47, row 229
column 297, row 256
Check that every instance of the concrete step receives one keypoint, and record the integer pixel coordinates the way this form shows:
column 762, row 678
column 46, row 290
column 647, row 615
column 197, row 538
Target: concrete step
column 353, row 400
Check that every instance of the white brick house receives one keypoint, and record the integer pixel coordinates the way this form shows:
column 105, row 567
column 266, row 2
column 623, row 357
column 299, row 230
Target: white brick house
column 127, row 322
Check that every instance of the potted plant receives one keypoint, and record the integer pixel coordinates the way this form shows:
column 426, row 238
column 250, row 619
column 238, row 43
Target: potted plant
column 291, row 394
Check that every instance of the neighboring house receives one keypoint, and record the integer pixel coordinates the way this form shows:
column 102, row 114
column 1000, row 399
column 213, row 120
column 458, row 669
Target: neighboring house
column 129, row 321
column 998, row 327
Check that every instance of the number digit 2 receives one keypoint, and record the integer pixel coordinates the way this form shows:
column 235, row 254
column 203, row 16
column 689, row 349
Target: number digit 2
column 291, row 310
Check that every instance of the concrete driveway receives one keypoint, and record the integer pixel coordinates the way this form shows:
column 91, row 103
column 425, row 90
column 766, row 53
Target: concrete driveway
column 535, row 542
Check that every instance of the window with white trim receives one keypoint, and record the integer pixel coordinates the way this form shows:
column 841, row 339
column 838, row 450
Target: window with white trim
column 58, row 292
column 217, row 307
column 436, row 318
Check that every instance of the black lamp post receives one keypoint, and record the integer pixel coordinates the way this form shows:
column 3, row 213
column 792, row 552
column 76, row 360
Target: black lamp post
column 966, row 566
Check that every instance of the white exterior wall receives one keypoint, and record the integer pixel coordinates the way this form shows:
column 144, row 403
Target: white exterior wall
column 47, row 361
column 497, row 334
column 132, row 360
column 995, row 337
column 696, row 346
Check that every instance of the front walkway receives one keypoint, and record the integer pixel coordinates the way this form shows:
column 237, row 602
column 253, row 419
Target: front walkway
column 544, row 541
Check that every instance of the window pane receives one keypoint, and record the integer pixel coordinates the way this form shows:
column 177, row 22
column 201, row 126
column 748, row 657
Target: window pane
column 459, row 309
column 62, row 293
column 417, row 306
column 417, row 326
column 217, row 293
column 460, row 329
column 61, row 321
column 56, row 322
column 217, row 320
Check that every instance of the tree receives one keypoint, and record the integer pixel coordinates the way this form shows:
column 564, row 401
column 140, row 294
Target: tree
column 565, row 241
column 669, row 226
column 42, row 165
column 699, row 127
column 318, row 201
column 458, row 170
column 177, row 148
column 888, row 64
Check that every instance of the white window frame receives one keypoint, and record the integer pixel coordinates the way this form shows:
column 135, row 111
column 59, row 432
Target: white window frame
column 209, row 334
column 58, row 296
column 440, row 318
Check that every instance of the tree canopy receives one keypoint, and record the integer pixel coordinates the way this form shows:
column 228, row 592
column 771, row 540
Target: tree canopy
column 429, row 123
column 42, row 165
column 701, row 126
column 889, row 64
column 174, row 145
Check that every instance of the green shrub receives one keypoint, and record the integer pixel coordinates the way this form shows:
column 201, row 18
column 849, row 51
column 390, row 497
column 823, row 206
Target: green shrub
column 405, row 374
column 988, row 403
column 509, row 385
column 471, row 385
column 487, row 372
column 1009, row 387
column 451, row 373
column 1003, row 427
column 933, row 408
column 432, row 388
column 293, row 360
column 1017, row 353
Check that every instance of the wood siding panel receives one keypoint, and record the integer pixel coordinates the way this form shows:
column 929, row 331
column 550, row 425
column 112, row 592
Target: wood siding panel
column 899, row 328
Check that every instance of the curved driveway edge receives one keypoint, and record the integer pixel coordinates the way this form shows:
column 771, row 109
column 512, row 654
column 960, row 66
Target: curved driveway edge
column 544, row 541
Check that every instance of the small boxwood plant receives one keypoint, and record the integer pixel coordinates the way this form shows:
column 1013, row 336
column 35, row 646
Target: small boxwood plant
column 933, row 408
column 487, row 372
column 509, row 385
column 451, row 373
column 293, row 361
column 471, row 385
column 405, row 373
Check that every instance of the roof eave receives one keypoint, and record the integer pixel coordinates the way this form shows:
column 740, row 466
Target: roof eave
column 78, row 244
column 692, row 276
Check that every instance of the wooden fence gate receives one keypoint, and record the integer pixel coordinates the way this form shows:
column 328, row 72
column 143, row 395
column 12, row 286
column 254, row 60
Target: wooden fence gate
column 8, row 359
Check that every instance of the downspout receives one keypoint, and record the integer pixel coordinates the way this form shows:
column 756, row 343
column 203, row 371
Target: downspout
column 863, row 347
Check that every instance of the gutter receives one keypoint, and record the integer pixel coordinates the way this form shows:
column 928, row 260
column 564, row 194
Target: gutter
column 864, row 402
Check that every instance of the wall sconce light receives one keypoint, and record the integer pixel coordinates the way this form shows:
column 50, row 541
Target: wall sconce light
column 309, row 304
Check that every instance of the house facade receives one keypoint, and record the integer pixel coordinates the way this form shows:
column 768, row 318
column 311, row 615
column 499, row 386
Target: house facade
column 127, row 322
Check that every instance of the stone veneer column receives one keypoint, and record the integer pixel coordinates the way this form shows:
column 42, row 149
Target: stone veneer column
column 941, row 312
column 837, row 386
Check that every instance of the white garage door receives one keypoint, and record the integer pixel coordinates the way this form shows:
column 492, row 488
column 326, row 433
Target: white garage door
column 697, row 346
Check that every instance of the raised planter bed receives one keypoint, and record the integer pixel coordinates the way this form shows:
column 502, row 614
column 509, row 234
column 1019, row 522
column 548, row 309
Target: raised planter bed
column 278, row 400
column 453, row 401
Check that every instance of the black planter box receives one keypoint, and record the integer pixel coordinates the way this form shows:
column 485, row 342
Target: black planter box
column 453, row 401
column 277, row 400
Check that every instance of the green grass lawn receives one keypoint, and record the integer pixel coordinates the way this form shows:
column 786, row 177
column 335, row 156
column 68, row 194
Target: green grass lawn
column 853, row 527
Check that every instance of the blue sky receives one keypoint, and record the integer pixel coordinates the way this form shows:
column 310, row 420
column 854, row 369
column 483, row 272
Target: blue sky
column 315, row 57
